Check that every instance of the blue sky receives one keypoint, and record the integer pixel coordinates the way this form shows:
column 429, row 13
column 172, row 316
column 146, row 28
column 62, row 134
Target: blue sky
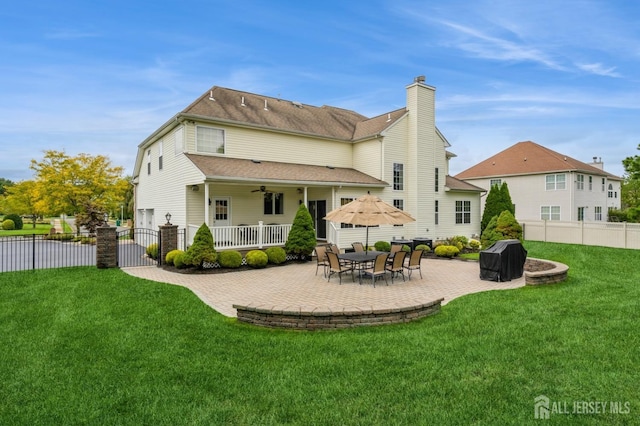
column 98, row 77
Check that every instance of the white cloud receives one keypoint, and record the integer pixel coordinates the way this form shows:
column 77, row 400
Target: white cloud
column 599, row 69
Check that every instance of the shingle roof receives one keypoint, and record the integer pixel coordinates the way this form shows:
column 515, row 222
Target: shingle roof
column 525, row 158
column 458, row 185
column 224, row 168
column 283, row 115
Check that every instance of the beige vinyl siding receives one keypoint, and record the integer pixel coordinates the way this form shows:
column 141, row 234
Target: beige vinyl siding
column 447, row 224
column 271, row 146
column 367, row 158
column 164, row 190
column 529, row 193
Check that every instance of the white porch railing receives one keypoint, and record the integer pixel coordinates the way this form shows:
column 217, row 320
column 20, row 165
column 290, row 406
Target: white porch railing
column 244, row 236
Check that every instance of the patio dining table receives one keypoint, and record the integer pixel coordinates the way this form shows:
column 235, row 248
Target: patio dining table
column 360, row 259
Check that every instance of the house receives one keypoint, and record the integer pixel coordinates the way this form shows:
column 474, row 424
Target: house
column 243, row 162
column 547, row 185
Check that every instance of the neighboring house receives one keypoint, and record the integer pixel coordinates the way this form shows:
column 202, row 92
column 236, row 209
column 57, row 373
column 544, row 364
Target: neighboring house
column 242, row 163
column 547, row 185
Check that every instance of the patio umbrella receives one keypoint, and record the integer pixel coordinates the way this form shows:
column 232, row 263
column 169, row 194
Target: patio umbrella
column 369, row 210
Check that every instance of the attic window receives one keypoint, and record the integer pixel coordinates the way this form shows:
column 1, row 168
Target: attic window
column 209, row 140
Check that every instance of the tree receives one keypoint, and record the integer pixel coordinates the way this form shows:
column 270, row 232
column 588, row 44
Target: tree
column 4, row 184
column 498, row 200
column 202, row 250
column 302, row 237
column 24, row 199
column 632, row 166
column 630, row 191
column 68, row 184
column 90, row 217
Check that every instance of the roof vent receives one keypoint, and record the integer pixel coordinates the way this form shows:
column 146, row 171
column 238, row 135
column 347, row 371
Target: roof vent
column 211, row 95
column 265, row 105
column 330, row 167
column 420, row 79
column 242, row 103
column 253, row 160
column 388, row 117
column 297, row 104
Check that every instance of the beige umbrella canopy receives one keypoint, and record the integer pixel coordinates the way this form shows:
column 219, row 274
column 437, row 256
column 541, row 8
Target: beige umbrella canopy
column 369, row 210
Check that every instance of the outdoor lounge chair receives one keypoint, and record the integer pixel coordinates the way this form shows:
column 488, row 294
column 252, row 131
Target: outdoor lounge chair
column 414, row 263
column 335, row 267
column 397, row 265
column 321, row 259
column 378, row 270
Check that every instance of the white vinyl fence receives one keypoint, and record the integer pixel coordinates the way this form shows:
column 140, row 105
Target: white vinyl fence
column 607, row 234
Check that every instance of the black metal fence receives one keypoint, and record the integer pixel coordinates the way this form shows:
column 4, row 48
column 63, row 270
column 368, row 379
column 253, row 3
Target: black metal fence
column 26, row 252
column 133, row 244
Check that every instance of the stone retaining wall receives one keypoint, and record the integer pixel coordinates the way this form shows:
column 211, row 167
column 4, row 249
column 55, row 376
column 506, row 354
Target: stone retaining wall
column 556, row 273
column 322, row 320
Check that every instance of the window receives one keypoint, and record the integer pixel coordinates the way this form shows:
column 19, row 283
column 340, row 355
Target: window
column 179, row 141
column 590, row 183
column 554, row 182
column 495, row 182
column 597, row 212
column 398, row 204
column 580, row 182
column 550, row 212
column 344, row 201
column 463, row 211
column 398, row 176
column 273, row 203
column 160, row 155
column 602, row 184
column 436, row 212
column 149, row 162
column 580, row 214
column 610, row 193
column 209, row 140
column 437, row 180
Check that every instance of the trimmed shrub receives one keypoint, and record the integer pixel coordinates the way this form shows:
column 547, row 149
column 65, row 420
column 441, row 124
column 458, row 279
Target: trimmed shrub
column 8, row 225
column 474, row 244
column 178, row 260
column 446, row 251
column 406, row 248
column 382, row 246
column 257, row 259
column 276, row 255
column 202, row 250
column 152, row 251
column 230, row 259
column 17, row 220
column 171, row 255
column 503, row 227
column 424, row 247
column 302, row 237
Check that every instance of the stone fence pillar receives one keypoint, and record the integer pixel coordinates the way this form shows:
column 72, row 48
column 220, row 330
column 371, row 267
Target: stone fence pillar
column 106, row 247
column 168, row 241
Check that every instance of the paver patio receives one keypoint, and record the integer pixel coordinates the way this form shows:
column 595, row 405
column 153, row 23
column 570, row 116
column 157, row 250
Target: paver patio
column 296, row 286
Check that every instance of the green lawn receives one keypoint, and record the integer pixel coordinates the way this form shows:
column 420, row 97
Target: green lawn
column 91, row 346
column 27, row 229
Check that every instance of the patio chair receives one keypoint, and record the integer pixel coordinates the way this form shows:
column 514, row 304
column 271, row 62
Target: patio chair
column 397, row 265
column 321, row 259
column 414, row 263
column 334, row 248
column 378, row 270
column 335, row 267
column 394, row 249
column 358, row 246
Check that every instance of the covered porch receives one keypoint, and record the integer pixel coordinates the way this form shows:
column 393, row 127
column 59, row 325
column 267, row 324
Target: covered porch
column 252, row 204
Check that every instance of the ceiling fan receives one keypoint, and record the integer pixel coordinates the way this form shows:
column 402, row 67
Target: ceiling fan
column 263, row 189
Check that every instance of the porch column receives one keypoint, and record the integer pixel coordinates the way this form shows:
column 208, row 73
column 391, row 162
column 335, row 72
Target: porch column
column 306, row 199
column 206, row 204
